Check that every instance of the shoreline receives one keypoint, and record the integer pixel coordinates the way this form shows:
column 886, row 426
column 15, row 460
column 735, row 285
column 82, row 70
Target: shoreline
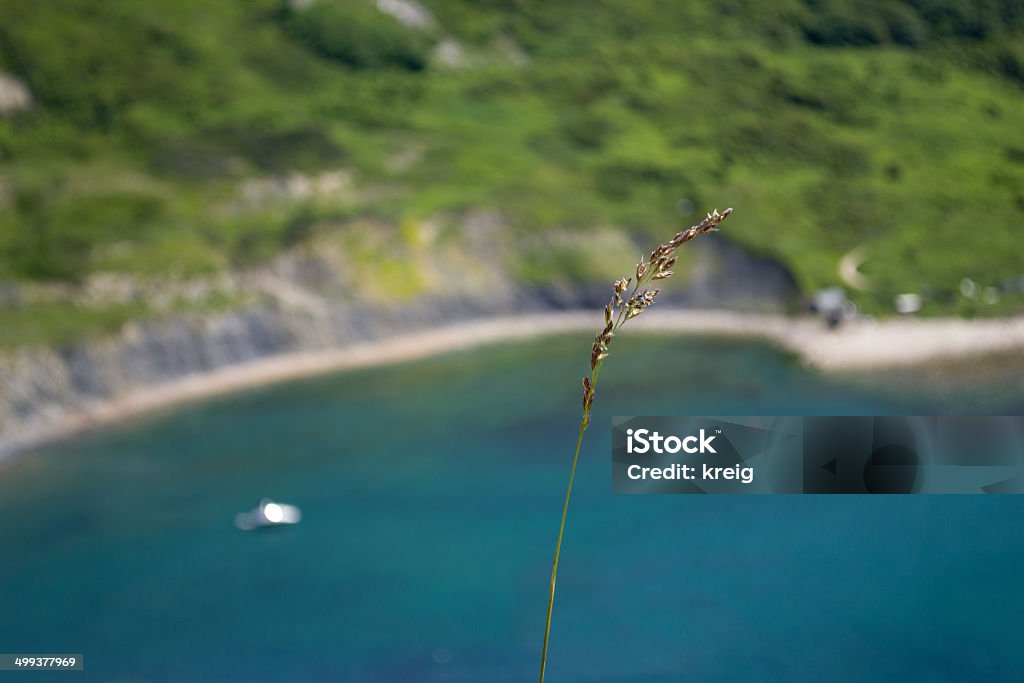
column 857, row 345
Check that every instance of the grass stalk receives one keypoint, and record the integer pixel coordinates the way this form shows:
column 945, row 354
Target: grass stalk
column 619, row 310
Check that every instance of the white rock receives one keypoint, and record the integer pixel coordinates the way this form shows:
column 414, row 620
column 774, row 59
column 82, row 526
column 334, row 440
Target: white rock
column 907, row 303
column 14, row 95
column 408, row 13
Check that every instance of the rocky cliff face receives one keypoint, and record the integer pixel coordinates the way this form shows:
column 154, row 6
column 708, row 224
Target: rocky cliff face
column 302, row 307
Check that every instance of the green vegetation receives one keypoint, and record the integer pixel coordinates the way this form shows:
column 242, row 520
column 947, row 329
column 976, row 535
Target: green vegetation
column 60, row 323
column 829, row 124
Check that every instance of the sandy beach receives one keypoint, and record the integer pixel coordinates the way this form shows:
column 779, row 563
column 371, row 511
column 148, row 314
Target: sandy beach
column 858, row 345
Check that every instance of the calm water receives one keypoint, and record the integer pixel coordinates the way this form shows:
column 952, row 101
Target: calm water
column 431, row 494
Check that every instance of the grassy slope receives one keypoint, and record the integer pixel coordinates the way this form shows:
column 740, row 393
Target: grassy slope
column 896, row 127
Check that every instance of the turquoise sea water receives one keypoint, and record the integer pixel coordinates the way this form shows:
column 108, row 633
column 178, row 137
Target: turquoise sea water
column 431, row 493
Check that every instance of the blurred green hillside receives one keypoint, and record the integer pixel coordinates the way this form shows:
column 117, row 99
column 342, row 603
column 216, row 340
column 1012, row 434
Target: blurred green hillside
column 897, row 127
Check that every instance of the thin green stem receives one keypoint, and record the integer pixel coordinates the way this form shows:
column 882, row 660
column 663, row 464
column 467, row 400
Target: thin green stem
column 558, row 550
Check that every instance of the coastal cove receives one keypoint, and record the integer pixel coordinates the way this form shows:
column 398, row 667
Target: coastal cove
column 428, row 491
column 857, row 347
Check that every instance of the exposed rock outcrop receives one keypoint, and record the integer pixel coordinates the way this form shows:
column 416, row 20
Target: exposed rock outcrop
column 14, row 95
column 302, row 306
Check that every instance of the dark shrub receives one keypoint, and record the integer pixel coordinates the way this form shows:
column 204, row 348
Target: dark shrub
column 357, row 34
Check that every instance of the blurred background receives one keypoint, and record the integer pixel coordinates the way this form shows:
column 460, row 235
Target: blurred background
column 188, row 186
column 153, row 152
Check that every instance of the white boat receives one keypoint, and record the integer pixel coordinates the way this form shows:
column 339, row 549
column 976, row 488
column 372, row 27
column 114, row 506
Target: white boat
column 268, row 513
